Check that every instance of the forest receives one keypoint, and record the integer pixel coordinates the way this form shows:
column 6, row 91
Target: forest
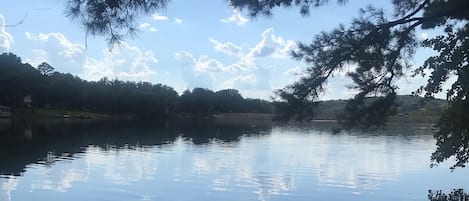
column 49, row 89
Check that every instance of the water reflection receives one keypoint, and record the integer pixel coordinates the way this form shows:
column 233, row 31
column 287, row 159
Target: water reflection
column 26, row 142
column 125, row 160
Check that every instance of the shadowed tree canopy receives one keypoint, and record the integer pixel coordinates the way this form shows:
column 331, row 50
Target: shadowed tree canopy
column 54, row 90
column 45, row 69
column 264, row 7
column 113, row 19
column 379, row 49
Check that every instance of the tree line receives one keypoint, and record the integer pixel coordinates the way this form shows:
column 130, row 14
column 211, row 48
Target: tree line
column 50, row 89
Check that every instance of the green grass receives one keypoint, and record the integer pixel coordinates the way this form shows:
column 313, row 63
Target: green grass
column 51, row 113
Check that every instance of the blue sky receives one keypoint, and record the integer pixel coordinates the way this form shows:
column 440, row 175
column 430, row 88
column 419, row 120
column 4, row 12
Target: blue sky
column 189, row 44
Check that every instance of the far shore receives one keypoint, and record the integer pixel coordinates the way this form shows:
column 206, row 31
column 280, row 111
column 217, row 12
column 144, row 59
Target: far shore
column 260, row 117
column 222, row 117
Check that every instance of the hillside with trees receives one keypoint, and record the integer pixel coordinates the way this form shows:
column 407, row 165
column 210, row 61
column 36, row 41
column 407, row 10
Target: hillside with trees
column 409, row 108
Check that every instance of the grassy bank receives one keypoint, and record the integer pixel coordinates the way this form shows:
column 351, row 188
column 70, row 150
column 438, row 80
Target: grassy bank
column 412, row 117
column 52, row 113
column 251, row 118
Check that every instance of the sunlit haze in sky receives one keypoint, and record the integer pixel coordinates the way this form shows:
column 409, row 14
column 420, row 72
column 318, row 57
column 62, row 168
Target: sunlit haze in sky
column 190, row 44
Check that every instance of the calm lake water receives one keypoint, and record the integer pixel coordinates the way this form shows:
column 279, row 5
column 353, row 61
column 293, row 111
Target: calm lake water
column 125, row 160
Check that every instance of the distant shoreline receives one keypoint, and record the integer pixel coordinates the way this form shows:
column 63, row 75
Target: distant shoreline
column 221, row 117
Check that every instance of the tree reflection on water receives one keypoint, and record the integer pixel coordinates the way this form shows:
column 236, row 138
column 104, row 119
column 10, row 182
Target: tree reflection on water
column 27, row 142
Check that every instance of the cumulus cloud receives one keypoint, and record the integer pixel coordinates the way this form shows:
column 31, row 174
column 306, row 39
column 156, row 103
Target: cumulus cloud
column 270, row 46
column 244, row 64
column 246, row 73
column 259, row 78
column 178, row 20
column 191, row 72
column 144, row 25
column 273, row 46
column 235, row 18
column 203, row 63
column 57, row 50
column 207, row 72
column 241, row 81
column 227, row 48
column 125, row 62
column 263, row 77
column 294, row 71
column 158, row 17
column 6, row 40
column 147, row 26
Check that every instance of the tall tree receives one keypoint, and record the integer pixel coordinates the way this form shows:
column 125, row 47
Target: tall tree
column 381, row 47
column 45, row 69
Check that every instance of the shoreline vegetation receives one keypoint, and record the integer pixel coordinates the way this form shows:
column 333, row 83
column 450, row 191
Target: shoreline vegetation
column 41, row 92
column 255, row 118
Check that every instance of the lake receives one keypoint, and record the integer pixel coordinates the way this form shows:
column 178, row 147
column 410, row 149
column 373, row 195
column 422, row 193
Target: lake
column 142, row 160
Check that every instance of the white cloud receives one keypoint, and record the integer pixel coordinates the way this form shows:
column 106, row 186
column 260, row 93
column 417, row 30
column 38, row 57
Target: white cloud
column 125, row 62
column 203, row 63
column 8, row 185
column 244, row 64
column 270, row 46
column 178, row 20
column 273, row 46
column 424, row 35
column 236, row 18
column 191, row 72
column 241, row 81
column 144, row 25
column 294, row 71
column 147, row 26
column 131, row 167
column 207, row 72
column 57, row 50
column 6, row 40
column 227, row 48
column 60, row 181
column 158, row 17
column 247, row 72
